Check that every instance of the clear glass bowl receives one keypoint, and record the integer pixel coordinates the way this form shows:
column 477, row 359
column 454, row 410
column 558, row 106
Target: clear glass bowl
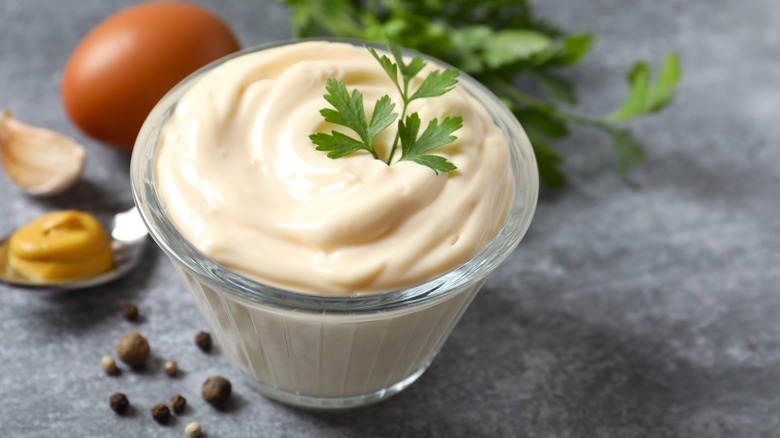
column 325, row 351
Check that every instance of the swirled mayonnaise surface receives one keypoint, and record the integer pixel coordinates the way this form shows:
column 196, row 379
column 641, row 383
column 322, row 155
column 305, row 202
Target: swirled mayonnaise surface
column 240, row 178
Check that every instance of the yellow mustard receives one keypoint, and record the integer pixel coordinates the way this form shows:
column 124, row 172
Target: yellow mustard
column 61, row 245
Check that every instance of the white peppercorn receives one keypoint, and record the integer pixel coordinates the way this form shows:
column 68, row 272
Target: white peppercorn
column 171, row 368
column 108, row 365
column 193, row 430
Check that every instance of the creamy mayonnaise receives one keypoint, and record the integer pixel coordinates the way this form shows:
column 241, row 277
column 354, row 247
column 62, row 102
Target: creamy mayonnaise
column 242, row 181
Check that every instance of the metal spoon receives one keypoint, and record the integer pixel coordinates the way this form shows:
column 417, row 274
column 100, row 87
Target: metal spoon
column 128, row 238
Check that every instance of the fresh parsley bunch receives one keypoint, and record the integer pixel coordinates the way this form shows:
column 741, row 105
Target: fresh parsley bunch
column 498, row 41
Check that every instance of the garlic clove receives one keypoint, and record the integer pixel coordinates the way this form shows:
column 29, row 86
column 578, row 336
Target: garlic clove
column 40, row 161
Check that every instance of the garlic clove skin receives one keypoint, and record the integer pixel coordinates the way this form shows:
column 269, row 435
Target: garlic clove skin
column 40, row 161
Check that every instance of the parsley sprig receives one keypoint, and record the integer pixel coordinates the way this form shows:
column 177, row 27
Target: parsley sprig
column 348, row 111
column 498, row 42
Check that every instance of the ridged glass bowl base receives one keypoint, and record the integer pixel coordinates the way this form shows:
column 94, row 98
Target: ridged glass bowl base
column 331, row 403
column 328, row 360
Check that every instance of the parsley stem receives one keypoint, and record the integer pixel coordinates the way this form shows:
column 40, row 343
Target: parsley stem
column 513, row 93
column 404, row 94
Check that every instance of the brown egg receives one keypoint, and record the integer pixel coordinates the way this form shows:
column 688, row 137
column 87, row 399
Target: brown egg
column 128, row 62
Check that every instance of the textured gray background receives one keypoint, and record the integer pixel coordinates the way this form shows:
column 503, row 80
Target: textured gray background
column 647, row 308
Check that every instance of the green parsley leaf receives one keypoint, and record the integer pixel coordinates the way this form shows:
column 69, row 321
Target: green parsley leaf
column 435, row 135
column 571, row 49
column 407, row 132
column 349, row 112
column 337, row 144
column 639, row 81
column 436, row 84
column 629, row 151
column 348, row 108
column 414, row 67
column 388, row 66
column 382, row 117
column 408, row 71
column 645, row 98
column 662, row 93
column 435, row 162
column 509, row 46
column 470, row 41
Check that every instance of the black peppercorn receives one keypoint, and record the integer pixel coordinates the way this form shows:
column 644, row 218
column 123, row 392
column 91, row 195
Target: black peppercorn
column 133, row 349
column 130, row 312
column 203, row 340
column 119, row 403
column 216, row 390
column 161, row 413
column 178, row 403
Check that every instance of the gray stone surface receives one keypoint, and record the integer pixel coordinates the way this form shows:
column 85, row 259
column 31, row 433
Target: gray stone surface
column 646, row 308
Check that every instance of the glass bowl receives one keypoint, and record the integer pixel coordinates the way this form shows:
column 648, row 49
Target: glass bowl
column 330, row 351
